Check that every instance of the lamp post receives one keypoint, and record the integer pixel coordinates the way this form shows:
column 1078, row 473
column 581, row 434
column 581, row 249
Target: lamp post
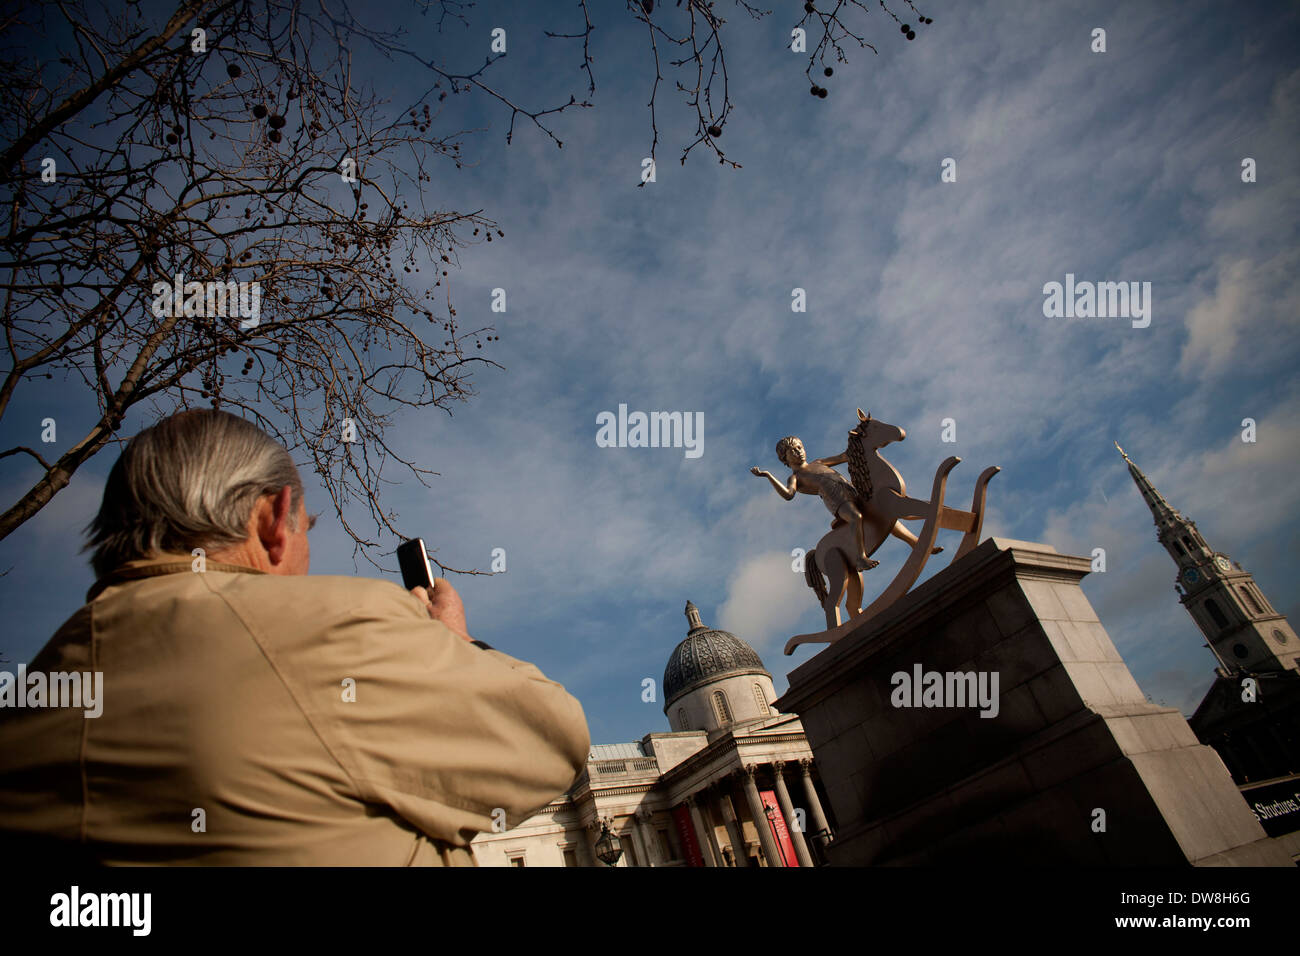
column 608, row 849
column 770, row 811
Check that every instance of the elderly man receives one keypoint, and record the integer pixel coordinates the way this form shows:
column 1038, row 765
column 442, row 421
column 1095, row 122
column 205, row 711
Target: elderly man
column 252, row 714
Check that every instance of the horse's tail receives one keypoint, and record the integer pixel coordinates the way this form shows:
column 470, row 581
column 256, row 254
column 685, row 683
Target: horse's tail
column 813, row 575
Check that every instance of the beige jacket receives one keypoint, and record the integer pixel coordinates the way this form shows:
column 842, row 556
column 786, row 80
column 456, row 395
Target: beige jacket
column 226, row 692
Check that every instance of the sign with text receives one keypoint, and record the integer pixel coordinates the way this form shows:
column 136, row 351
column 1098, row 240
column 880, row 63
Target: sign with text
column 1276, row 806
column 691, row 846
column 780, row 832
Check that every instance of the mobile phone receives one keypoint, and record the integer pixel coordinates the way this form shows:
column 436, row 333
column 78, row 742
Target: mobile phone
column 414, row 562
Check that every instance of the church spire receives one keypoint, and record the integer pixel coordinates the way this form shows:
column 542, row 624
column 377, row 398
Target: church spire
column 1244, row 631
column 1161, row 510
column 1177, row 534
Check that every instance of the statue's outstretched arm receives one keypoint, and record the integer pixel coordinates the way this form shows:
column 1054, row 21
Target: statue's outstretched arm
column 786, row 491
column 837, row 460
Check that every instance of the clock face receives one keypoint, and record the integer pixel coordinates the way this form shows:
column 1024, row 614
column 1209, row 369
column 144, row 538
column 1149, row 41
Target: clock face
column 1191, row 576
column 1222, row 562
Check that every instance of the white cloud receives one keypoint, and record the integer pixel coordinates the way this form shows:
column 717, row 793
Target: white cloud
column 765, row 601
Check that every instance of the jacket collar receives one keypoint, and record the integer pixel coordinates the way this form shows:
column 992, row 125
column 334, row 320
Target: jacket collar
column 158, row 565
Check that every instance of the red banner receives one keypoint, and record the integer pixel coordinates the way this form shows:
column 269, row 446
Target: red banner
column 691, row 846
column 776, row 819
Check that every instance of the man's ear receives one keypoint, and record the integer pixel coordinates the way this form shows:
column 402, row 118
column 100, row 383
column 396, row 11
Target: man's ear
column 274, row 523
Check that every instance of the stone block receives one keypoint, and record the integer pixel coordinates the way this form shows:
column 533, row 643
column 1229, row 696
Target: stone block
column 1202, row 819
column 978, row 629
column 1071, row 754
column 1054, row 634
column 918, row 827
column 1055, row 694
column 1075, row 602
column 817, row 725
column 1082, row 638
column 847, row 709
column 1135, row 832
column 1009, row 609
column 1019, row 658
column 1123, row 688
column 1090, row 684
column 1043, row 599
column 1090, row 642
column 987, row 794
column 1047, row 827
column 1157, row 729
column 1019, row 716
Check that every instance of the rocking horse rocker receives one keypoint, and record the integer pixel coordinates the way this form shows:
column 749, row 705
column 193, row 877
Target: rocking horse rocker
column 867, row 512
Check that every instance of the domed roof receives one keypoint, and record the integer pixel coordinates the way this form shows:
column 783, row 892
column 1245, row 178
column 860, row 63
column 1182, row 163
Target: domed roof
column 707, row 654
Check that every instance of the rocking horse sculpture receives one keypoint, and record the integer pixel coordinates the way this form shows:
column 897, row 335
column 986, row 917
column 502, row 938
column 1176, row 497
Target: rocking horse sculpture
column 867, row 512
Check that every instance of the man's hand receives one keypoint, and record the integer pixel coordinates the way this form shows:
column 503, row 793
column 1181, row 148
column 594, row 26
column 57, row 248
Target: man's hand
column 444, row 605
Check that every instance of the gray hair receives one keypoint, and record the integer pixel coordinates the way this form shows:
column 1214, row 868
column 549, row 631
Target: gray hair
column 189, row 481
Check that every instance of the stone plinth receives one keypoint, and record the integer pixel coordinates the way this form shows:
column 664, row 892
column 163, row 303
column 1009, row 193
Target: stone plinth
column 1072, row 735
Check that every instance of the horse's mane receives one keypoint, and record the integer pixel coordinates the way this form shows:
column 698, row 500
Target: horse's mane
column 859, row 471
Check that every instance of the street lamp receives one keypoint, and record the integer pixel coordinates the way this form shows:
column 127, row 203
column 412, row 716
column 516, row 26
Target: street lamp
column 607, row 846
column 770, row 811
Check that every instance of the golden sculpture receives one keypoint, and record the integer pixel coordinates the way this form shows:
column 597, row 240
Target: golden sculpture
column 866, row 512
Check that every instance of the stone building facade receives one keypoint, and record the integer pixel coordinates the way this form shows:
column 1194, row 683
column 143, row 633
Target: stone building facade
column 732, row 784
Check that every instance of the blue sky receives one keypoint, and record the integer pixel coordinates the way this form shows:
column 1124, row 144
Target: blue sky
column 924, row 302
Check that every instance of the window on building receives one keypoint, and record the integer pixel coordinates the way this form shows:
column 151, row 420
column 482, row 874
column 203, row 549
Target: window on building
column 570, row 856
column 1250, row 600
column 1213, row 607
column 761, row 700
column 629, row 855
column 1263, row 601
column 682, row 723
column 665, row 845
column 724, row 710
column 1279, row 636
column 1179, row 548
column 1187, row 541
column 517, row 860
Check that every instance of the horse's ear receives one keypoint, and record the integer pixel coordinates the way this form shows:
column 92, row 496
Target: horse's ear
column 861, row 417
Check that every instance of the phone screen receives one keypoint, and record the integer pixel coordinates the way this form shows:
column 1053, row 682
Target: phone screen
column 414, row 562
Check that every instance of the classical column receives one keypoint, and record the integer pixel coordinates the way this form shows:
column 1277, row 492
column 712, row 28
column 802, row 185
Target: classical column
column 765, row 838
column 706, row 802
column 738, row 850
column 787, row 810
column 814, row 804
column 701, row 837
